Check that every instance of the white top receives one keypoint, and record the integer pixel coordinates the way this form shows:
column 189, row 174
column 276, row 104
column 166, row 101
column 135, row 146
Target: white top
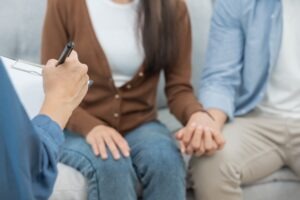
column 283, row 89
column 115, row 26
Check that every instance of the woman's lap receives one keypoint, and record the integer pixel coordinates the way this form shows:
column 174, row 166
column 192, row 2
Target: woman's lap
column 152, row 149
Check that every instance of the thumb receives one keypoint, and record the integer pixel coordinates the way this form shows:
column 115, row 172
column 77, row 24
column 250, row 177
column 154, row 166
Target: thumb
column 51, row 63
column 179, row 135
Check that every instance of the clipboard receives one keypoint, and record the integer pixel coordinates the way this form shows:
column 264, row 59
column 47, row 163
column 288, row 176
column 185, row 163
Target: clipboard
column 28, row 67
column 28, row 83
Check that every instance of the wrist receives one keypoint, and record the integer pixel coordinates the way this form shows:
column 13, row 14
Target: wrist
column 57, row 110
column 203, row 113
column 219, row 116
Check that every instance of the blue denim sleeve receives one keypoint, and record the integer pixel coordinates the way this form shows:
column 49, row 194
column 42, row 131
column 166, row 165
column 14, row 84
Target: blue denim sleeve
column 221, row 75
column 51, row 137
column 49, row 132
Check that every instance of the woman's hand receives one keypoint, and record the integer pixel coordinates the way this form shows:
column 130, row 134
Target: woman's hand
column 201, row 135
column 102, row 136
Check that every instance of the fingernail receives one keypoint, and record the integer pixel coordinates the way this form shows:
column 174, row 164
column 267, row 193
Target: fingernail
column 104, row 158
column 182, row 151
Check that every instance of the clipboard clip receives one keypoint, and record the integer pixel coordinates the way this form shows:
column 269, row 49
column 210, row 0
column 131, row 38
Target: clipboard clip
column 33, row 69
column 28, row 67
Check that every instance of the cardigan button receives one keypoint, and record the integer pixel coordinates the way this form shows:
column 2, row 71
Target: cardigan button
column 128, row 86
column 116, row 115
column 141, row 74
column 117, row 96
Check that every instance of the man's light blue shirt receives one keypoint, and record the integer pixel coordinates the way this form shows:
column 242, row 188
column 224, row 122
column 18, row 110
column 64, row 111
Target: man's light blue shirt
column 244, row 44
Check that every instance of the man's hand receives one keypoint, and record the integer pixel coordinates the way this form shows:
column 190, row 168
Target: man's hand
column 102, row 136
column 201, row 136
column 65, row 86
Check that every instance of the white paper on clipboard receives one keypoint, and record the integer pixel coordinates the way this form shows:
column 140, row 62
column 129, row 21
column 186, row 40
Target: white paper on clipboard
column 28, row 83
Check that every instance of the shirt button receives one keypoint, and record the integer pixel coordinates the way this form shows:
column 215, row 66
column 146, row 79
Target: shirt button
column 128, row 86
column 116, row 115
column 141, row 74
column 117, row 96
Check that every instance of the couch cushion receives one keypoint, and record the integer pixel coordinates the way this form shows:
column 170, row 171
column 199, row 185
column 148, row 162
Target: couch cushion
column 273, row 191
column 70, row 185
column 169, row 120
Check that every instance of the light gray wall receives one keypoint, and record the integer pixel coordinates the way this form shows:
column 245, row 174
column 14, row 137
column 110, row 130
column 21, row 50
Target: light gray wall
column 20, row 28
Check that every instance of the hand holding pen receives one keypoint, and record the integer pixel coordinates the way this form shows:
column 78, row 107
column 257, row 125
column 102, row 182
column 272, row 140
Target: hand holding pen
column 66, row 53
column 64, row 87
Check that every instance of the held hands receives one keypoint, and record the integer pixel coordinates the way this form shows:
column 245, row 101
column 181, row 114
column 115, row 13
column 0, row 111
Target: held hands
column 102, row 136
column 201, row 136
column 65, row 86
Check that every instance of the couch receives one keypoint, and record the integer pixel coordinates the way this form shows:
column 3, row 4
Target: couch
column 21, row 25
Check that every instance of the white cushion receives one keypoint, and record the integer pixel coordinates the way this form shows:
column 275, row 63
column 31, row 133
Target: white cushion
column 70, row 185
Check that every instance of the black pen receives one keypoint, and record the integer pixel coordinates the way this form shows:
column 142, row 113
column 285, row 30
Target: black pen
column 66, row 53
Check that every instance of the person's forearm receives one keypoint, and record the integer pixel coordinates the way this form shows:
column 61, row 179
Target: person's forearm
column 57, row 111
column 219, row 116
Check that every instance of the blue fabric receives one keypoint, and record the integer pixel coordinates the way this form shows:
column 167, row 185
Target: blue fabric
column 244, row 44
column 28, row 150
column 155, row 162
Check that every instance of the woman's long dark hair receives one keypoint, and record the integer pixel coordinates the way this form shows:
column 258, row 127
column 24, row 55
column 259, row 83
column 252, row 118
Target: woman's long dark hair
column 158, row 21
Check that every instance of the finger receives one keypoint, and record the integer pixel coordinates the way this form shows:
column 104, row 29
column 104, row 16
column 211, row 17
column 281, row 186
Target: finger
column 102, row 148
column 213, row 151
column 182, row 147
column 84, row 81
column 179, row 134
column 93, row 143
column 122, row 144
column 82, row 88
column 202, row 148
column 82, row 70
column 113, row 148
column 189, row 131
column 208, row 141
column 81, row 77
column 189, row 150
column 196, row 141
column 51, row 63
column 219, row 139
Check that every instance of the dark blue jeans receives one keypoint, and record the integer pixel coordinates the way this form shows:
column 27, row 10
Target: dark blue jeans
column 155, row 163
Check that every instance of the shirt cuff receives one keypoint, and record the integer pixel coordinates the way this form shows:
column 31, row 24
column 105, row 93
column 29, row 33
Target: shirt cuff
column 51, row 129
column 217, row 100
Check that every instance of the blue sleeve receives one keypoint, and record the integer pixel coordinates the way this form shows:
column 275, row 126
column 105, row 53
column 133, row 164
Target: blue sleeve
column 51, row 137
column 221, row 75
column 28, row 149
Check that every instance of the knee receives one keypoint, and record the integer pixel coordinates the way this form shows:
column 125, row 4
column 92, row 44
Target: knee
column 214, row 172
column 114, row 168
